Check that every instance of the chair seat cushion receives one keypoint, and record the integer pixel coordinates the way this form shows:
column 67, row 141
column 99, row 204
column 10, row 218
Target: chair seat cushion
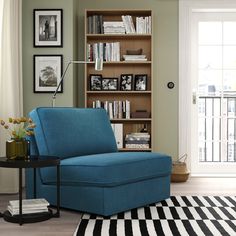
column 110, row 169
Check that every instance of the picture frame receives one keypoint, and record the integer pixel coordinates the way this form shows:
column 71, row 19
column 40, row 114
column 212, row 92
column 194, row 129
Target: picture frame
column 48, row 27
column 95, row 82
column 140, row 83
column 110, row 84
column 126, row 82
column 47, row 73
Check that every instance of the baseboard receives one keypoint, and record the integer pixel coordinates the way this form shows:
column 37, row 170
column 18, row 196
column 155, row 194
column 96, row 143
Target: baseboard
column 213, row 175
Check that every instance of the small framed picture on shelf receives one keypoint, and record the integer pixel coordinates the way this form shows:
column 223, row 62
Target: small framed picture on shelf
column 126, row 82
column 140, row 82
column 47, row 73
column 48, row 27
column 95, row 82
column 110, row 84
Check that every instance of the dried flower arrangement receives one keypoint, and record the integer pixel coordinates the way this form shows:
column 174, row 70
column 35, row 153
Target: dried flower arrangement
column 18, row 128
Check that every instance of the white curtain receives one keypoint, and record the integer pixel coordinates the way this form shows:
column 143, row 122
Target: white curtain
column 11, row 94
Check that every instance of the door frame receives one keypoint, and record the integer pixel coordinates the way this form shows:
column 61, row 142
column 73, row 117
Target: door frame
column 186, row 10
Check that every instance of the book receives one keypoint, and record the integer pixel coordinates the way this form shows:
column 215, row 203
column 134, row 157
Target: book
column 118, row 132
column 37, row 202
column 114, row 27
column 128, row 24
column 115, row 109
column 127, row 109
column 141, row 146
column 143, row 25
column 26, row 211
column 95, row 24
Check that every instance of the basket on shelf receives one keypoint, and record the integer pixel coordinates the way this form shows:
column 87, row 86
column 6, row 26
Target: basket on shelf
column 179, row 170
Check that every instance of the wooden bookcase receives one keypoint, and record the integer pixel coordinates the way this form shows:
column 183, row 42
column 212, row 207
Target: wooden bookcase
column 139, row 100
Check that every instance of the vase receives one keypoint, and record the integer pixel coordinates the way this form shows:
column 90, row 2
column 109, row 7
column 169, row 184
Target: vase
column 17, row 149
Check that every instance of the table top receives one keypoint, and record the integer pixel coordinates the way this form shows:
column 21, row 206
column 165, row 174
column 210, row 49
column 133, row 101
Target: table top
column 30, row 162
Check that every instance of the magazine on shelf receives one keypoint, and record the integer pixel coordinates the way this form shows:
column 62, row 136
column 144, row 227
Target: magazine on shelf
column 26, row 211
column 29, row 206
column 37, row 202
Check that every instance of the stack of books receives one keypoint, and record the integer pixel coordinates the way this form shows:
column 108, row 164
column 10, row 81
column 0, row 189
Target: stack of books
column 106, row 51
column 135, row 57
column 129, row 24
column 95, row 24
column 29, row 206
column 137, row 140
column 143, row 25
column 115, row 109
column 114, row 27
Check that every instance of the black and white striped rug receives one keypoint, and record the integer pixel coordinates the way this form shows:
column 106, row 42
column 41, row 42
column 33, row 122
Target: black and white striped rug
column 176, row 216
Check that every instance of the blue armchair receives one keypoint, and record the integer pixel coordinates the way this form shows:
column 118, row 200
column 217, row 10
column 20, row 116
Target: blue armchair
column 95, row 177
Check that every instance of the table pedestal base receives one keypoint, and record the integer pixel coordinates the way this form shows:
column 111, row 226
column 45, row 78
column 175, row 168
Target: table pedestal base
column 27, row 218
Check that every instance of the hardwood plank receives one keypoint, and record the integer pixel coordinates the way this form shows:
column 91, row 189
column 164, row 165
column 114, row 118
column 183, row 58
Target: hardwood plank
column 63, row 226
column 67, row 223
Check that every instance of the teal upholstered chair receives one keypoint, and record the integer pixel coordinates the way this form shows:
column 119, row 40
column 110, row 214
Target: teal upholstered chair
column 95, row 177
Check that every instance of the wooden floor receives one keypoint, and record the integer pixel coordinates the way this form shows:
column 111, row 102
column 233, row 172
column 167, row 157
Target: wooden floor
column 66, row 224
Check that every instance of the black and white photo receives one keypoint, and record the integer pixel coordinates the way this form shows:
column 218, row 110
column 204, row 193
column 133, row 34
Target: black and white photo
column 126, row 82
column 110, row 84
column 48, row 27
column 95, row 82
column 140, row 83
column 47, row 73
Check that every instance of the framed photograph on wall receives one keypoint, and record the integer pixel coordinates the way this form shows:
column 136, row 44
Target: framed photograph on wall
column 48, row 27
column 47, row 73
column 126, row 82
column 110, row 84
column 140, row 82
column 95, row 82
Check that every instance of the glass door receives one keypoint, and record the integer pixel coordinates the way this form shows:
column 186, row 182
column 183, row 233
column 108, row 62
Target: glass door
column 214, row 94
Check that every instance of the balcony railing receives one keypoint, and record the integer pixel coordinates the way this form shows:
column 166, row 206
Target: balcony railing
column 217, row 128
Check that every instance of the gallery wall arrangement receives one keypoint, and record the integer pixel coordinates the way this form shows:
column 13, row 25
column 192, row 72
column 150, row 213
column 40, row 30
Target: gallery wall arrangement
column 48, row 32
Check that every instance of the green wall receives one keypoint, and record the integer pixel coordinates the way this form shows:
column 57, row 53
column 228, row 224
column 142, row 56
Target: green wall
column 165, row 63
column 69, row 49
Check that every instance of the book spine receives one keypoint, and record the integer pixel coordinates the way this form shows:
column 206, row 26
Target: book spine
column 127, row 113
column 131, row 24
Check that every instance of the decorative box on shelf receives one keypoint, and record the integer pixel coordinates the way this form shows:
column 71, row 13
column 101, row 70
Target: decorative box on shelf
column 141, row 114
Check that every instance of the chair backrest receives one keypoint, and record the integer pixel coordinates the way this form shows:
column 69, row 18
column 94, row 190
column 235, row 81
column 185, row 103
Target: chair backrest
column 69, row 132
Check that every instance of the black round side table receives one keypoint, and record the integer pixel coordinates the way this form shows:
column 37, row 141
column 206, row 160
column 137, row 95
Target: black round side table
column 32, row 162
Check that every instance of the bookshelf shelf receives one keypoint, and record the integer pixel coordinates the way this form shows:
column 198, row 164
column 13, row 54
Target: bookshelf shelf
column 97, row 44
column 132, row 120
column 119, row 92
column 117, row 36
column 111, row 63
column 135, row 149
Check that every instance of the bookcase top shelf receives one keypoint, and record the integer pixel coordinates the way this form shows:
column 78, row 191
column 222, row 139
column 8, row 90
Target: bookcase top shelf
column 110, row 12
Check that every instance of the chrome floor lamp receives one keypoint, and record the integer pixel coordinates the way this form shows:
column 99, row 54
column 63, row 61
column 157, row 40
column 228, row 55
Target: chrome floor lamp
column 98, row 67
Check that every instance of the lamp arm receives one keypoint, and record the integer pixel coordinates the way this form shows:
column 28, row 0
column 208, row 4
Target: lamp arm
column 98, row 66
column 58, row 86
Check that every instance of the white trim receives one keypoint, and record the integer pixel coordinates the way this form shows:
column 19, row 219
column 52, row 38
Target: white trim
column 213, row 176
column 186, row 8
column 217, row 10
column 184, row 71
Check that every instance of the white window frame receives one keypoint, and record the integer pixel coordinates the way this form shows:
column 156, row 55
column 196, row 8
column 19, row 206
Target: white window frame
column 186, row 10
